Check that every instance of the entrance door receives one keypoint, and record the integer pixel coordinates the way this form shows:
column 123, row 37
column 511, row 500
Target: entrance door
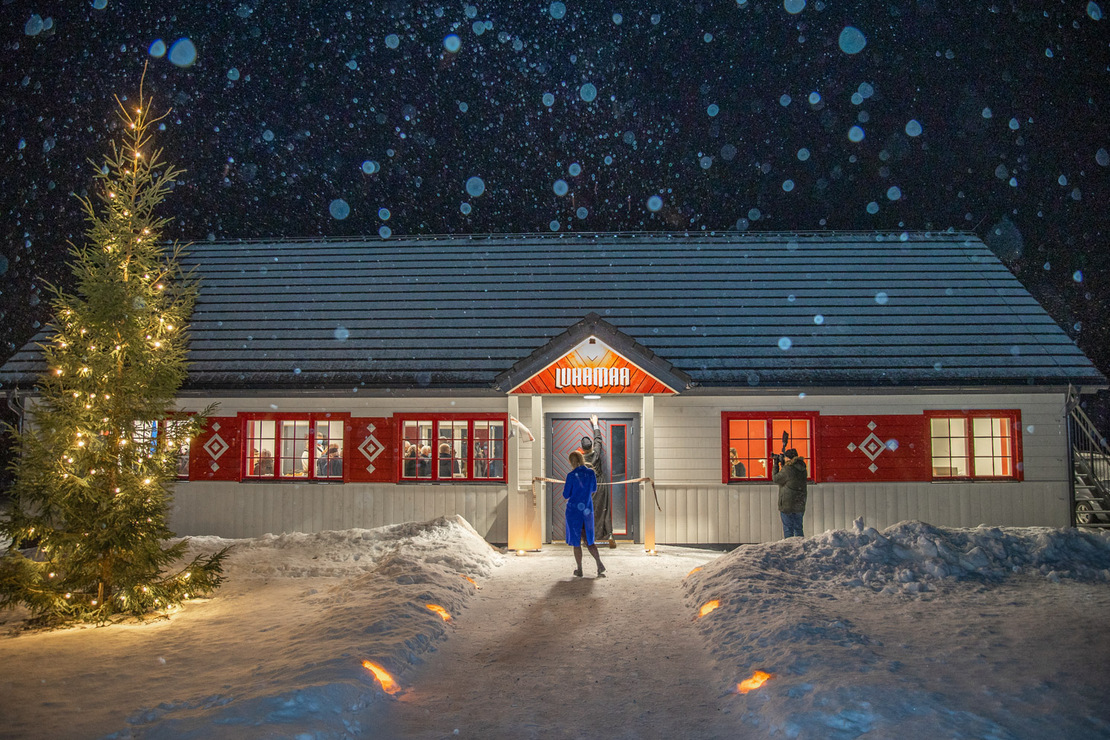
column 620, row 440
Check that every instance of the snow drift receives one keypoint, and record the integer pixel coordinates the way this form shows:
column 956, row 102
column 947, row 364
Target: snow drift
column 375, row 609
column 910, row 631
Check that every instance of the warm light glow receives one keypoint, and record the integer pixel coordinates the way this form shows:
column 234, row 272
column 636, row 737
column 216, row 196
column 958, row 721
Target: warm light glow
column 520, row 552
column 471, row 580
column 695, row 570
column 749, row 684
column 443, row 613
column 708, row 607
column 388, row 684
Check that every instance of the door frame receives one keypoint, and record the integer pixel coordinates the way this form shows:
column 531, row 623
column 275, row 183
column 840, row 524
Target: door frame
column 634, row 447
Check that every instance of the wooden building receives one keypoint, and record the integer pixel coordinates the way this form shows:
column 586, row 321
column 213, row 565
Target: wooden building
column 367, row 382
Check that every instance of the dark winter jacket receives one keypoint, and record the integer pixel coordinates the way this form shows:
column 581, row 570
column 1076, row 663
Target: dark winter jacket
column 792, row 486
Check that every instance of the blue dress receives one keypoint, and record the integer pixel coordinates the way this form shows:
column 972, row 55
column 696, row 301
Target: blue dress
column 579, row 493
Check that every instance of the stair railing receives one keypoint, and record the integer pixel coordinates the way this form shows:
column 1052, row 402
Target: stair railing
column 1090, row 452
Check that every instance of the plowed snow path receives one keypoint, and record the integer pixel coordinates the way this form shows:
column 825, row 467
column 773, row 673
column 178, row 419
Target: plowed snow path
column 540, row 653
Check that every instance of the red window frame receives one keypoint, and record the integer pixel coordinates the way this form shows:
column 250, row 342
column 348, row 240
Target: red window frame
column 1013, row 420
column 468, row 469
column 310, row 421
column 772, row 438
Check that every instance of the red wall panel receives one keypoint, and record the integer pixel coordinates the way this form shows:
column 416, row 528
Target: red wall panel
column 371, row 450
column 217, row 452
column 868, row 448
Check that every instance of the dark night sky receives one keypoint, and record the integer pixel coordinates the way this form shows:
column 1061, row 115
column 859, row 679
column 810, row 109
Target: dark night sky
column 707, row 105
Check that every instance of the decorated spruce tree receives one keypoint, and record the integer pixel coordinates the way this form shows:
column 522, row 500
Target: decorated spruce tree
column 99, row 454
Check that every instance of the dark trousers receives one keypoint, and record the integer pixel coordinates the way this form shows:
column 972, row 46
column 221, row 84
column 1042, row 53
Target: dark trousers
column 791, row 525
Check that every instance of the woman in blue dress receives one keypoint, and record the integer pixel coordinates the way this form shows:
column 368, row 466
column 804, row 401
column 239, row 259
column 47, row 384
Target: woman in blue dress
column 579, row 493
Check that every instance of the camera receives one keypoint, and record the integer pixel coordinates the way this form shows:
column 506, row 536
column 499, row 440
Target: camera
column 778, row 458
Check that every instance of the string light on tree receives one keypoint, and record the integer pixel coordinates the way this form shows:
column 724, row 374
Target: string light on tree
column 92, row 402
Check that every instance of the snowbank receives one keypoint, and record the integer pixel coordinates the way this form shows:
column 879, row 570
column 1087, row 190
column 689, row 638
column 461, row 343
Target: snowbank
column 370, row 605
column 915, row 631
column 914, row 558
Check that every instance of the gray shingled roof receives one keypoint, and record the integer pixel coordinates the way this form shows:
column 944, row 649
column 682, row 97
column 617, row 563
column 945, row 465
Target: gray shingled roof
column 917, row 309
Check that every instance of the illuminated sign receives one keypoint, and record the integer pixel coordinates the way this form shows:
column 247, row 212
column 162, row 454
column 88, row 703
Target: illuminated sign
column 592, row 367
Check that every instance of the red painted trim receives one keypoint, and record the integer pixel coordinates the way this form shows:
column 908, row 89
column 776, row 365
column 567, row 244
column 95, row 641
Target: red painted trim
column 773, row 445
column 244, row 419
column 364, row 468
column 399, row 440
column 625, row 486
column 848, row 454
column 1014, row 415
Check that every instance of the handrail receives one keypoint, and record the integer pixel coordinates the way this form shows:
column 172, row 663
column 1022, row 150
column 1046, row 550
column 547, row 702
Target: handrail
column 1090, row 468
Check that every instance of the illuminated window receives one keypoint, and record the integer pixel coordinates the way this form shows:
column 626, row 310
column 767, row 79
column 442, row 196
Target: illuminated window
column 750, row 439
column 295, row 446
column 452, row 447
column 978, row 444
column 148, row 435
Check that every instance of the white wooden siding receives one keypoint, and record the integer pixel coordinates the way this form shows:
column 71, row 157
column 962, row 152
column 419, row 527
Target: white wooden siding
column 688, row 428
column 749, row 513
column 698, row 508
column 238, row 510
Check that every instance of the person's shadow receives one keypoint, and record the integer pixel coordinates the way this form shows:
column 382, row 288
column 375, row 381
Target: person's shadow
column 549, row 625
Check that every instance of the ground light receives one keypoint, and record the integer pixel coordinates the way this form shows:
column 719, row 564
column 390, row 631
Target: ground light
column 749, row 684
column 388, row 684
column 708, row 607
column 439, row 610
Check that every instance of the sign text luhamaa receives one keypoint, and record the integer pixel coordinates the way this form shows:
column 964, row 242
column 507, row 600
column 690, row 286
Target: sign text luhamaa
column 593, row 367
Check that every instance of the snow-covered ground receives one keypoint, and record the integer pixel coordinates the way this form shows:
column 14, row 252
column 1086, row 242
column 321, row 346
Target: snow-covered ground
column 913, row 632
column 918, row 632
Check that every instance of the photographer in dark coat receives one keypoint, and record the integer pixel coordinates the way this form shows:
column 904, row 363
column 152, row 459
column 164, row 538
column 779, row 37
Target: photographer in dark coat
column 790, row 474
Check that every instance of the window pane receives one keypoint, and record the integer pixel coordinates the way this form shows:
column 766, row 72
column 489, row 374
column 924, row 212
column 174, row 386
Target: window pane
column 747, row 449
column 329, row 442
column 178, row 442
column 949, row 447
column 417, row 450
column 497, row 449
column 489, row 449
column 993, row 446
column 261, row 444
column 451, row 452
column 798, row 439
column 295, row 459
column 145, row 437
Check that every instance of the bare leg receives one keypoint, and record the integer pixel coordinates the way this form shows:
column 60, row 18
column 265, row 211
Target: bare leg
column 578, row 560
column 597, row 558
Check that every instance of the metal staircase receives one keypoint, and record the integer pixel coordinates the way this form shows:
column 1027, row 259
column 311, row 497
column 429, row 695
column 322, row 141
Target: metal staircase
column 1090, row 456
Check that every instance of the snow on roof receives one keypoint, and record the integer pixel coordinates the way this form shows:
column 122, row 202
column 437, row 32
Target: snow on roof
column 728, row 309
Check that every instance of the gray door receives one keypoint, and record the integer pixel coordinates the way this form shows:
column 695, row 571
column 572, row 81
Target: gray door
column 620, row 439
